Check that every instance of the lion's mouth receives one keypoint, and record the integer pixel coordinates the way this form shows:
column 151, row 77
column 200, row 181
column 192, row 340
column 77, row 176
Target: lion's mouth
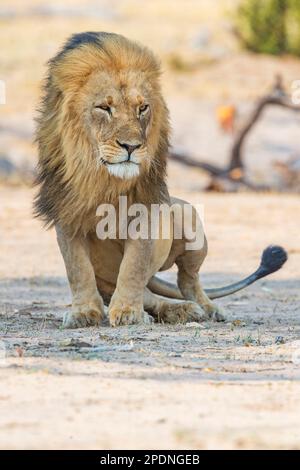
column 125, row 169
column 122, row 162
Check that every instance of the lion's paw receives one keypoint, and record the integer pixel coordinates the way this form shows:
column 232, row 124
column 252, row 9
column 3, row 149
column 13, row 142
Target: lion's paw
column 181, row 312
column 216, row 314
column 82, row 317
column 127, row 315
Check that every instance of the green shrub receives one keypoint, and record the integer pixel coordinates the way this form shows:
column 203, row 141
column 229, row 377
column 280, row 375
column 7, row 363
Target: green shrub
column 269, row 26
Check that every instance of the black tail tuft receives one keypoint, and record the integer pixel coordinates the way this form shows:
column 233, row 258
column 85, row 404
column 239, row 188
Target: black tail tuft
column 273, row 258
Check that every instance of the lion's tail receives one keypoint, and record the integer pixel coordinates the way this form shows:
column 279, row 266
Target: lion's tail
column 273, row 258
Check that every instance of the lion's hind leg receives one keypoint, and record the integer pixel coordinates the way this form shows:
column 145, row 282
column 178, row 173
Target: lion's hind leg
column 189, row 284
column 165, row 310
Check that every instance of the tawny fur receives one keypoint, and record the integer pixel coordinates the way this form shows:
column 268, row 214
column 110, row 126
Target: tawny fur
column 103, row 90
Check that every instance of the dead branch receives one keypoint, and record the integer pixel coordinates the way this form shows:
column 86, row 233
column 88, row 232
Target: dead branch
column 234, row 172
column 278, row 97
column 190, row 161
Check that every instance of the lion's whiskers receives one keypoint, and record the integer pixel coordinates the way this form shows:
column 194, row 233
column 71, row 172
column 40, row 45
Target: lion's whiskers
column 99, row 158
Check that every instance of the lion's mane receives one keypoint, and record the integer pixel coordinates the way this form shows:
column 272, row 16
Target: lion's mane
column 70, row 186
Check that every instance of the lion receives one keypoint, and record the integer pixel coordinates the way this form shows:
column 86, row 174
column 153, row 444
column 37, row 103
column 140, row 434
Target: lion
column 102, row 132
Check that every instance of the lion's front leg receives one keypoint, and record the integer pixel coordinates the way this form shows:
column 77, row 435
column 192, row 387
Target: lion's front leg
column 126, row 305
column 87, row 304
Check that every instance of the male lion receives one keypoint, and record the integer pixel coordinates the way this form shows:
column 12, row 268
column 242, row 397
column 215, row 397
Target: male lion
column 103, row 132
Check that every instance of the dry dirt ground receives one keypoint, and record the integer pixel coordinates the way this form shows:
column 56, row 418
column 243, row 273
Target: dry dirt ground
column 232, row 385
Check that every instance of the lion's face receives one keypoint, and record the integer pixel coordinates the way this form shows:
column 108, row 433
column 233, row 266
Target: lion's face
column 116, row 111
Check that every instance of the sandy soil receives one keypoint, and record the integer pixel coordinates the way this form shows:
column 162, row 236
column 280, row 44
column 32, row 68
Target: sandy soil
column 232, row 385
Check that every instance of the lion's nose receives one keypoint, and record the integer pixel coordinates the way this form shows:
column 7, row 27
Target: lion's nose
column 129, row 147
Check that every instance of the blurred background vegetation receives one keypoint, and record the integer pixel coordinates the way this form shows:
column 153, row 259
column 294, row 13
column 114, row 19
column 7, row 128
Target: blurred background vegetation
column 218, row 59
column 269, row 26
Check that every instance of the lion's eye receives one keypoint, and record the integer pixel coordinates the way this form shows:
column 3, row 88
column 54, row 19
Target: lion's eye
column 104, row 107
column 143, row 108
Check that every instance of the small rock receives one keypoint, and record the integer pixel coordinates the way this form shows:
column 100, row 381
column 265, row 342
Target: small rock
column 279, row 340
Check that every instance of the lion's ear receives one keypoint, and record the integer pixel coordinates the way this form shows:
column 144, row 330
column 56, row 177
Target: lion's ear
column 70, row 71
